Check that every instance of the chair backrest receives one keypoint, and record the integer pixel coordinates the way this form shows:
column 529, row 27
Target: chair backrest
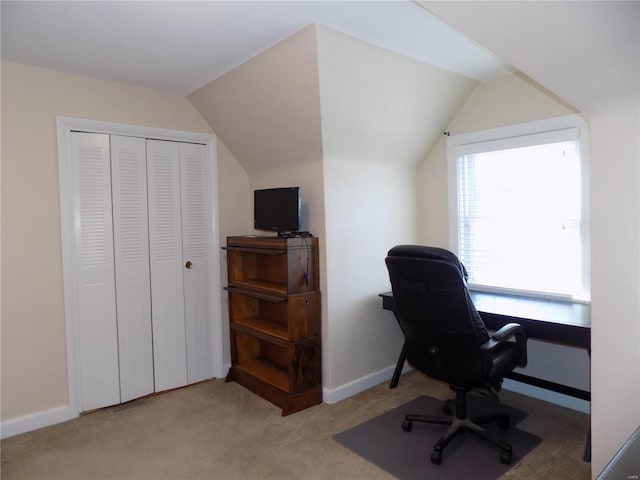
column 443, row 331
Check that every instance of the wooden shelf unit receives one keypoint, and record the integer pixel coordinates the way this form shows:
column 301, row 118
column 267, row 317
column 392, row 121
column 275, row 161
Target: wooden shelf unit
column 274, row 314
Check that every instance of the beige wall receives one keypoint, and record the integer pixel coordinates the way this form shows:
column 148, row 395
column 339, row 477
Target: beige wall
column 378, row 106
column 34, row 366
column 370, row 207
column 267, row 110
column 615, row 277
column 235, row 219
column 381, row 113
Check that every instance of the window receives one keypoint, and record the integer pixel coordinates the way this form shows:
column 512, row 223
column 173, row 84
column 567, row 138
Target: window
column 518, row 208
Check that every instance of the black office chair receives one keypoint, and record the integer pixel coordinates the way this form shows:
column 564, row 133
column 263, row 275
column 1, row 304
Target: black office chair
column 446, row 339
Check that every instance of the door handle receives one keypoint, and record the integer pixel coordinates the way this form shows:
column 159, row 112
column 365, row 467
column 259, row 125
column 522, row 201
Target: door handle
column 188, row 264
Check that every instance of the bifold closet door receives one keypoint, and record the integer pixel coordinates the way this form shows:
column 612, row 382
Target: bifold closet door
column 180, row 238
column 165, row 244
column 94, row 270
column 131, row 249
column 196, row 239
column 142, row 236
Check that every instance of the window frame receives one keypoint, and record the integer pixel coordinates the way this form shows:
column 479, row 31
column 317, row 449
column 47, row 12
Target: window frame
column 508, row 137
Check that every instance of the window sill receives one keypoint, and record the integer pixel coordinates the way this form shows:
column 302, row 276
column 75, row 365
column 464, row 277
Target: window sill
column 533, row 308
column 525, row 294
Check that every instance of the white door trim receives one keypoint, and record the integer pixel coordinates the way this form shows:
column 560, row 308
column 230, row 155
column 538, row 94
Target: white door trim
column 65, row 125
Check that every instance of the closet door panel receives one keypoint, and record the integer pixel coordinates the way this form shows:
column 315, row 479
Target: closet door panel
column 95, row 284
column 165, row 244
column 131, row 242
column 196, row 238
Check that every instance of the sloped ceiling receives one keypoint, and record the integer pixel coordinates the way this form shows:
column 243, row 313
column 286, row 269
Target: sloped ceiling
column 587, row 53
column 180, row 46
column 321, row 88
column 262, row 97
column 380, row 106
column 267, row 110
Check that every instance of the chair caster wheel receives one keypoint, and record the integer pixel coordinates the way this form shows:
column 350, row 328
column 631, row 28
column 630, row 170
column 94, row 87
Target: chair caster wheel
column 436, row 457
column 506, row 457
column 407, row 425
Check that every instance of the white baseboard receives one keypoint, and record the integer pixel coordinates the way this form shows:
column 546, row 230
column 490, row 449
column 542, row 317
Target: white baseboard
column 547, row 395
column 349, row 389
column 26, row 423
column 361, row 384
column 33, row 421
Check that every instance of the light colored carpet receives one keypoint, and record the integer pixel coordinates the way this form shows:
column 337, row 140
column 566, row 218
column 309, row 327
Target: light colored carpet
column 218, row 430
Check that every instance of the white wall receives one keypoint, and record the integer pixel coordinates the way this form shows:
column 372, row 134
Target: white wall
column 379, row 106
column 370, row 207
column 380, row 115
column 234, row 195
column 267, row 110
column 588, row 53
column 615, row 312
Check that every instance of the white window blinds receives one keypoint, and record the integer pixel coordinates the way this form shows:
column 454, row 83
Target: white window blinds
column 519, row 213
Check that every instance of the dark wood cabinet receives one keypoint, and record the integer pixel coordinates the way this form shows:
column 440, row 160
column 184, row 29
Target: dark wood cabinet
column 274, row 313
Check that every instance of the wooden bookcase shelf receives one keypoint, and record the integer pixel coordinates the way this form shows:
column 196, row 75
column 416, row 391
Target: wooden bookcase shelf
column 274, row 314
column 265, row 370
column 262, row 328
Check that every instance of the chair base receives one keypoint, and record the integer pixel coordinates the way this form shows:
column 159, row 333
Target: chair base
column 460, row 423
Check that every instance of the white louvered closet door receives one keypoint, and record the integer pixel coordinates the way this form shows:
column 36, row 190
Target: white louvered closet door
column 165, row 243
column 131, row 242
column 95, row 284
column 196, row 233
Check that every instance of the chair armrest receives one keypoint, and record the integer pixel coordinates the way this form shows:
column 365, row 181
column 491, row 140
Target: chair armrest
column 510, row 329
column 505, row 334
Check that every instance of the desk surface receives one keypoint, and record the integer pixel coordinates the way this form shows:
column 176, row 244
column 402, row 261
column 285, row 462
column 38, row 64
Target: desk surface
column 549, row 320
column 552, row 321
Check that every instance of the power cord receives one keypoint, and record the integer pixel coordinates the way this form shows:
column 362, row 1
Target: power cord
column 306, row 274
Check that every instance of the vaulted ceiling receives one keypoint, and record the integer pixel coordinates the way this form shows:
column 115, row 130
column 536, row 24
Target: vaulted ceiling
column 182, row 45
column 322, row 94
column 587, row 54
column 273, row 95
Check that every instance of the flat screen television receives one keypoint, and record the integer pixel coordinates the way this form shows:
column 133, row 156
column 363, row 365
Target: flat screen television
column 277, row 209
